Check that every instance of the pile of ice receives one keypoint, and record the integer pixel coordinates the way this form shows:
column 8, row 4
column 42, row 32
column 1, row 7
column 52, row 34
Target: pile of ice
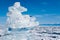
column 17, row 24
column 17, row 20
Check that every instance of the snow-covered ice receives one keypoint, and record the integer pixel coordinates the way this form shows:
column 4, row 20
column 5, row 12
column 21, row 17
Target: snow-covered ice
column 24, row 27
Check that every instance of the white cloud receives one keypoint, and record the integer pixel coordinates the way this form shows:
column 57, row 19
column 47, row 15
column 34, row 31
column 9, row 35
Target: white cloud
column 40, row 16
column 3, row 20
column 58, row 17
column 48, row 19
column 15, row 18
column 49, row 14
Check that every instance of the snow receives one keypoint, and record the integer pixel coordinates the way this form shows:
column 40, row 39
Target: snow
column 15, row 18
column 24, row 27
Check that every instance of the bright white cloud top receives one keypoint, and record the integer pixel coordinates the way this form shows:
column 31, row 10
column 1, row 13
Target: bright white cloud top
column 16, row 19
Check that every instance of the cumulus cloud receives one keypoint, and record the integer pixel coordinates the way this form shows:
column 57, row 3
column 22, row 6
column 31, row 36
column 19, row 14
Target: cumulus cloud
column 15, row 18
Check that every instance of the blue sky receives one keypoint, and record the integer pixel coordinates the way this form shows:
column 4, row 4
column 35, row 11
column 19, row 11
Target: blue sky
column 47, row 11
